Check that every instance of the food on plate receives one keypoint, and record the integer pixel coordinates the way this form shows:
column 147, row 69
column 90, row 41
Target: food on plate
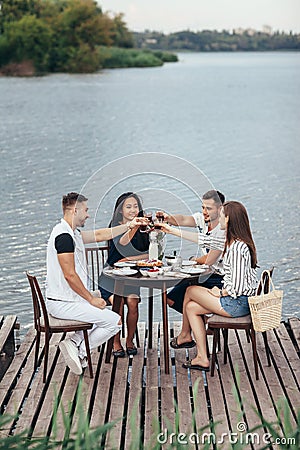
column 149, row 263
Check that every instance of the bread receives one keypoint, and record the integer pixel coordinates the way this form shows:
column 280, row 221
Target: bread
column 149, row 263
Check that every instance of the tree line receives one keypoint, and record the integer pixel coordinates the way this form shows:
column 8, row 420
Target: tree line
column 66, row 36
column 212, row 41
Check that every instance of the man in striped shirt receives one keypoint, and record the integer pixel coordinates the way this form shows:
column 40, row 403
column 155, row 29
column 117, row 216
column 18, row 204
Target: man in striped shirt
column 207, row 223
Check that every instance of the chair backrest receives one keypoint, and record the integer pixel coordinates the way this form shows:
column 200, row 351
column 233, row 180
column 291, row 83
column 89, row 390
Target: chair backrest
column 95, row 257
column 39, row 306
column 264, row 283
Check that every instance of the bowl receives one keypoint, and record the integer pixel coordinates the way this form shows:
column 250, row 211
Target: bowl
column 153, row 273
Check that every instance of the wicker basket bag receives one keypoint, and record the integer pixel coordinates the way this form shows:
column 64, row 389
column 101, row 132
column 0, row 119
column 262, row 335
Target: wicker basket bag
column 266, row 308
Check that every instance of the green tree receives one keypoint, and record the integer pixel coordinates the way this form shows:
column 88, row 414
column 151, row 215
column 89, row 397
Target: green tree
column 121, row 35
column 28, row 39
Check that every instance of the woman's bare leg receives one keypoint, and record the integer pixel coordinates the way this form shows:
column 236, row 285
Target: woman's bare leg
column 132, row 318
column 117, row 339
column 193, row 312
column 208, row 303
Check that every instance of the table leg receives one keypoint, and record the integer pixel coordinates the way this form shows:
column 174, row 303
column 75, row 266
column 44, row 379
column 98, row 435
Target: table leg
column 119, row 287
column 166, row 328
column 150, row 317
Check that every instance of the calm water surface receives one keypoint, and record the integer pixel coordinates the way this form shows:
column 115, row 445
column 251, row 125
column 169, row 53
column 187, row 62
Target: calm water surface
column 235, row 116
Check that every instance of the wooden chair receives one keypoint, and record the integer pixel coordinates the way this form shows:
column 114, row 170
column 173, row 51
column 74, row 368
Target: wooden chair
column 216, row 323
column 96, row 257
column 45, row 323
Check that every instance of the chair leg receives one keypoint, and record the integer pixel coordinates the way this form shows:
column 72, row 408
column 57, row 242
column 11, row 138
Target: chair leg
column 265, row 337
column 37, row 347
column 248, row 336
column 137, row 337
column 225, row 335
column 46, row 352
column 123, row 322
column 150, row 317
column 213, row 359
column 88, row 353
column 219, row 342
column 253, row 340
column 207, row 348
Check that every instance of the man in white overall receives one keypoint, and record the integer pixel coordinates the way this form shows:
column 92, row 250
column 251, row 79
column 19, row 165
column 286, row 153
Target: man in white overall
column 67, row 291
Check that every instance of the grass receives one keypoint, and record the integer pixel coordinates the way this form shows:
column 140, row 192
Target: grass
column 114, row 57
column 282, row 432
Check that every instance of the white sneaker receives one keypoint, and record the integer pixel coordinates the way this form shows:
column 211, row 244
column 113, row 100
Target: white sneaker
column 69, row 351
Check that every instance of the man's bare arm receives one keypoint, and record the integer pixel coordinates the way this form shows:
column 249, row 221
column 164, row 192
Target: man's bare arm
column 105, row 234
column 209, row 259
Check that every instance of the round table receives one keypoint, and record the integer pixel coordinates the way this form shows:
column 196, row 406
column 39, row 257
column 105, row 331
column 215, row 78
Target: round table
column 161, row 282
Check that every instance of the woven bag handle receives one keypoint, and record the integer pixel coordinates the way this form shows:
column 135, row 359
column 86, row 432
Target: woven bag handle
column 263, row 280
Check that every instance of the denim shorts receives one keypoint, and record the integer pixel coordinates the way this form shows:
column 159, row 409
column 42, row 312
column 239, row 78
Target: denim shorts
column 236, row 307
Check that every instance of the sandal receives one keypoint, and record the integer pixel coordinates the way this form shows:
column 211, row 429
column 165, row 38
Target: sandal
column 189, row 365
column 174, row 344
column 131, row 351
column 119, row 353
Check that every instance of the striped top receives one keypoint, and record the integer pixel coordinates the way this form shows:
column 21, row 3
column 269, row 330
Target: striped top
column 239, row 277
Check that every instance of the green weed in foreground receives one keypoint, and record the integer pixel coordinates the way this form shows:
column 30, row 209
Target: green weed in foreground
column 281, row 434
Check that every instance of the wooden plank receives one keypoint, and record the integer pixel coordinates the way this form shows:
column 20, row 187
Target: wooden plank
column 117, row 404
column 14, row 369
column 226, row 375
column 274, row 387
column 265, row 404
column 151, row 402
column 295, row 327
column 19, row 392
column 65, row 406
column 101, row 394
column 247, row 376
column 183, row 391
column 7, row 343
column 288, row 381
column 290, row 353
column 37, row 391
column 167, row 389
column 87, row 387
column 135, row 392
column 217, row 403
column 6, row 329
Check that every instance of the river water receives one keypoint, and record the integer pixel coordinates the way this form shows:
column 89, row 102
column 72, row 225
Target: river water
column 235, row 117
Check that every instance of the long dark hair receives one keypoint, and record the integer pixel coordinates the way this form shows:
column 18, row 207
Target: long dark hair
column 238, row 228
column 117, row 214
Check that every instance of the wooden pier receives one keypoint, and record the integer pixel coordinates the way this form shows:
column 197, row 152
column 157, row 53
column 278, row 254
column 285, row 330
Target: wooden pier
column 141, row 397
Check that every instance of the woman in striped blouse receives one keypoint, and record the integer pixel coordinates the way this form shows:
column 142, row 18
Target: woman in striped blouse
column 239, row 282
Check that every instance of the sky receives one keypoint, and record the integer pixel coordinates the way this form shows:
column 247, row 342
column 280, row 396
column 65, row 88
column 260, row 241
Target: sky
column 177, row 15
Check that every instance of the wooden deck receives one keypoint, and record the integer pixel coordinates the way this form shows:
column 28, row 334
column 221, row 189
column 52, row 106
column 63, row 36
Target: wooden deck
column 138, row 392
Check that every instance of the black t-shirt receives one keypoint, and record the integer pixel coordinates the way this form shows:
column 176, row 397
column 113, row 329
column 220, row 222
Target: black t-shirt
column 64, row 243
column 138, row 244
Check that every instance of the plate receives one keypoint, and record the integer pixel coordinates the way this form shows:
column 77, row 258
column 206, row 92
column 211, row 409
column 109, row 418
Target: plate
column 125, row 264
column 187, row 262
column 193, row 270
column 125, row 271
